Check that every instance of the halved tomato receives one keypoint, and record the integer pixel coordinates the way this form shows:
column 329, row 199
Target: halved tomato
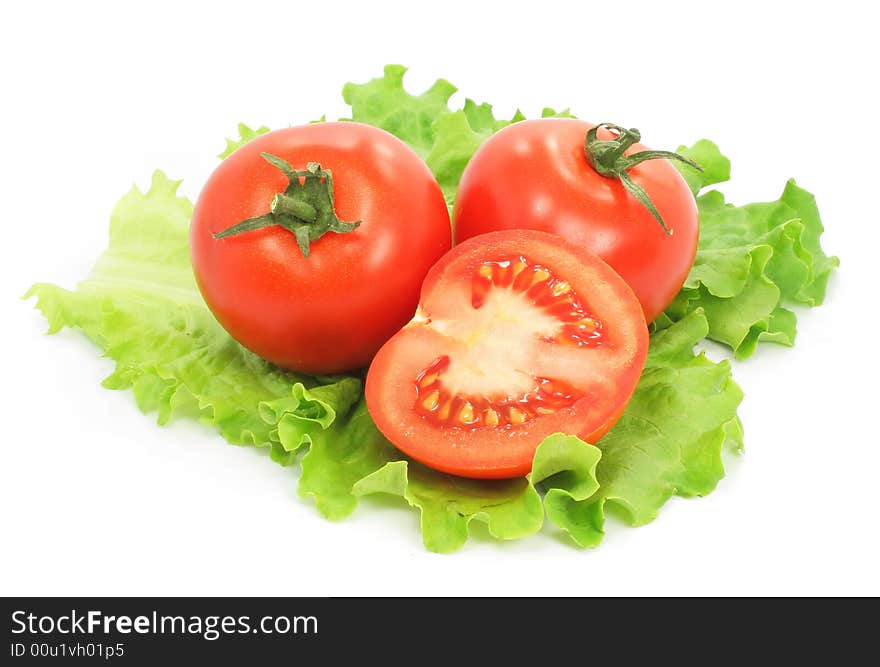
column 519, row 335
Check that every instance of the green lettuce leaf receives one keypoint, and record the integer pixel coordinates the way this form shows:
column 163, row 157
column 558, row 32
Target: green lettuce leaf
column 458, row 135
column 752, row 260
column 446, row 139
column 141, row 306
column 383, row 102
column 668, row 441
column 510, row 508
column 245, row 134
column 716, row 167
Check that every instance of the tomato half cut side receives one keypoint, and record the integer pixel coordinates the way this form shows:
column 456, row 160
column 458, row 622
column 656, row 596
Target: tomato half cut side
column 519, row 335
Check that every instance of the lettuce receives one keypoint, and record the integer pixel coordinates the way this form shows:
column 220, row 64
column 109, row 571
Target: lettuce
column 751, row 260
column 245, row 134
column 383, row 102
column 444, row 138
column 668, row 441
column 141, row 307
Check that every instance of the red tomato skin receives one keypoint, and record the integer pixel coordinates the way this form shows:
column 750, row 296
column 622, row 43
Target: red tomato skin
column 534, row 175
column 329, row 312
column 390, row 386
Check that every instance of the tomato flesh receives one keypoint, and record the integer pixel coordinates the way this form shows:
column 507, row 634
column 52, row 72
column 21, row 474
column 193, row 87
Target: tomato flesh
column 438, row 405
column 519, row 335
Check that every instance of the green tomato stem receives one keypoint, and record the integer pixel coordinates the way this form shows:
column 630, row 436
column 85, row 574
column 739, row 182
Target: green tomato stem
column 305, row 208
column 608, row 158
column 285, row 205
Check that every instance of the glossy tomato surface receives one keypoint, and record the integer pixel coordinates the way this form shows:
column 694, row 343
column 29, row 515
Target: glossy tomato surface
column 535, row 175
column 332, row 310
column 519, row 335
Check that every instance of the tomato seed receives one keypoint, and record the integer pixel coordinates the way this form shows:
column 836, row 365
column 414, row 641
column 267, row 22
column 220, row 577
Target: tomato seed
column 560, row 288
column 540, row 276
column 547, row 397
column 517, row 416
column 432, row 400
column 519, row 266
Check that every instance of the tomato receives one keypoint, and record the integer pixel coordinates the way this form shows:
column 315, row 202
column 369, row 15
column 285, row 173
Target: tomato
column 331, row 310
column 535, row 175
column 519, row 335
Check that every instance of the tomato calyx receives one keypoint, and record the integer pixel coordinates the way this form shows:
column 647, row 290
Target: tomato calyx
column 305, row 208
column 607, row 157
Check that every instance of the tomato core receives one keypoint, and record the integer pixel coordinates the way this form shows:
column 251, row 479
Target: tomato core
column 543, row 290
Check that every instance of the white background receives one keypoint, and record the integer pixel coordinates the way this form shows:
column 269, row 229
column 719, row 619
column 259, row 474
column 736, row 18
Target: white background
column 97, row 499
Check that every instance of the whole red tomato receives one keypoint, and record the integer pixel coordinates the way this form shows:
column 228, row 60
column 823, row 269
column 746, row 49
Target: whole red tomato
column 293, row 276
column 536, row 175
